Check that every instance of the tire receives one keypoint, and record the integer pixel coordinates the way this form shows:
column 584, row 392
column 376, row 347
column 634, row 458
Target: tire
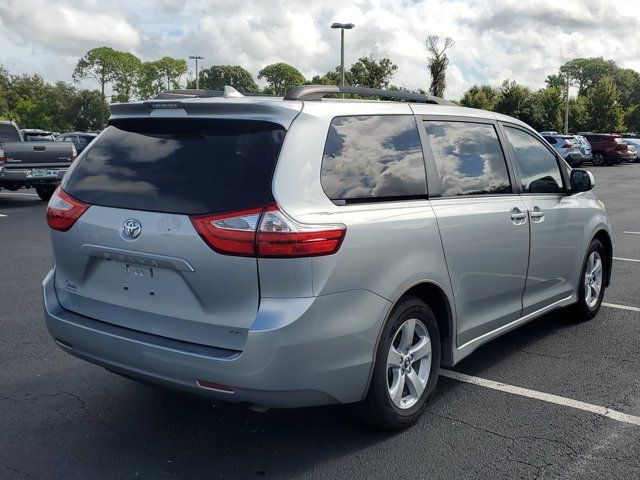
column 378, row 409
column 598, row 159
column 588, row 303
column 45, row 191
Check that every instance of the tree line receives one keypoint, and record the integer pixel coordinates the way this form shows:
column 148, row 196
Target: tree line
column 608, row 96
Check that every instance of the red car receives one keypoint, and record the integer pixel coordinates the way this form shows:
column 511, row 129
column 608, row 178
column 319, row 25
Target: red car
column 608, row 148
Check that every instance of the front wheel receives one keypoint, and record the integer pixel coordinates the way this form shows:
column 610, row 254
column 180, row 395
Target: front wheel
column 406, row 368
column 592, row 280
column 45, row 192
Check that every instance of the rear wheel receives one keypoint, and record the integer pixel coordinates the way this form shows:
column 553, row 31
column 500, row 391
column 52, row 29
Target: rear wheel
column 45, row 191
column 592, row 280
column 598, row 159
column 406, row 368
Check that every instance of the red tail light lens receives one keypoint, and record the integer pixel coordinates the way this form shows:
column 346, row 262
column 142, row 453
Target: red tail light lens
column 281, row 236
column 267, row 232
column 2, row 157
column 568, row 145
column 74, row 152
column 63, row 210
column 232, row 233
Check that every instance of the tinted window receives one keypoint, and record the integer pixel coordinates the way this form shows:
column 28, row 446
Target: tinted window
column 184, row 166
column 8, row 133
column 373, row 157
column 468, row 157
column 551, row 140
column 536, row 165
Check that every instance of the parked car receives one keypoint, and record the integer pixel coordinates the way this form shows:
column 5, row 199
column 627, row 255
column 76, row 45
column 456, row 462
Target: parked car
column 635, row 143
column 294, row 251
column 608, row 148
column 37, row 135
column 79, row 139
column 585, row 148
column 567, row 147
column 25, row 165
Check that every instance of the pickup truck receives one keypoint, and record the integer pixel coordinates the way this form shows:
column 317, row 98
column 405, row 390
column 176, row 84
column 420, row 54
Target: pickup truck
column 32, row 164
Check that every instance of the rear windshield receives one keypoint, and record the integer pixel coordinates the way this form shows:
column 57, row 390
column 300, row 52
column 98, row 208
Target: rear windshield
column 8, row 133
column 185, row 166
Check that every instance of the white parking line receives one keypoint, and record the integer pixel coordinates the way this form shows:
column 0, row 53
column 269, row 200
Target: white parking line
column 2, row 215
column 621, row 307
column 627, row 259
column 17, row 193
column 633, row 233
column 545, row 397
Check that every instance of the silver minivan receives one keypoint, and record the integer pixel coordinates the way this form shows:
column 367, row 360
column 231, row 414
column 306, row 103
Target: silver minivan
column 305, row 250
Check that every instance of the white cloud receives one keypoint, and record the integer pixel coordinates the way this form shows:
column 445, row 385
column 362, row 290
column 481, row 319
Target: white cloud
column 521, row 40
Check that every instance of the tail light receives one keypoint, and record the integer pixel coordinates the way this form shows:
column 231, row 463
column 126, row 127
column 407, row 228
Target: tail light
column 568, row 145
column 267, row 232
column 74, row 152
column 2, row 157
column 63, row 210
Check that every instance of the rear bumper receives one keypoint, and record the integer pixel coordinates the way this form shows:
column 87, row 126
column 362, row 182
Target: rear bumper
column 574, row 159
column 299, row 352
column 25, row 175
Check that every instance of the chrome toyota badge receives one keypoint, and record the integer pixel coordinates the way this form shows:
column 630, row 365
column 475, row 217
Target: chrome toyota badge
column 131, row 228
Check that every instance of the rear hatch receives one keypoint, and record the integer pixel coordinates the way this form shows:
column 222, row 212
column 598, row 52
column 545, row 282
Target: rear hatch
column 134, row 257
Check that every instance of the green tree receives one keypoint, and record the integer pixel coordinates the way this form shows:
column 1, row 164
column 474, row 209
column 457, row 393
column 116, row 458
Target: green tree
column 603, row 106
column 126, row 76
column 105, row 65
column 578, row 118
column 281, row 78
column 437, row 64
column 484, row 97
column 217, row 76
column 586, row 72
column 632, row 118
column 329, row 78
column 518, row 101
column 551, row 104
column 370, row 73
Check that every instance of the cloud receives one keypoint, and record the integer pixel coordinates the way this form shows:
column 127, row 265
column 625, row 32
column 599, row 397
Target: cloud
column 521, row 40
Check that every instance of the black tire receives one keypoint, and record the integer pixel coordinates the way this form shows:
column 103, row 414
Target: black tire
column 598, row 159
column 581, row 311
column 45, row 191
column 377, row 409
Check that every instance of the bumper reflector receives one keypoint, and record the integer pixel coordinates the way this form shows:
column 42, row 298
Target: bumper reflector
column 218, row 387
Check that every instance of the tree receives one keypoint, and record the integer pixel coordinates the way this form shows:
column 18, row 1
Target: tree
column 551, row 103
column 329, row 78
column 126, row 76
column 171, row 71
column 437, row 64
column 586, row 72
column 106, row 66
column 370, row 73
column 281, row 78
column 484, row 97
column 632, row 118
column 518, row 101
column 158, row 76
column 217, row 76
column 603, row 107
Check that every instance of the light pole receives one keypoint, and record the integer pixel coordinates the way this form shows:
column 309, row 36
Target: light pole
column 196, row 58
column 566, row 109
column 342, row 27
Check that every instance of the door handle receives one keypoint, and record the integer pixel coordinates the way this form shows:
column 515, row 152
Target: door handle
column 537, row 215
column 518, row 217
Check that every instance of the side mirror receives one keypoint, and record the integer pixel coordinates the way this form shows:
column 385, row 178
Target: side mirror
column 582, row 181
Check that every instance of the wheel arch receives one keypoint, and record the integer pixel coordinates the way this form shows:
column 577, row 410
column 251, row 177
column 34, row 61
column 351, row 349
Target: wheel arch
column 434, row 296
column 604, row 238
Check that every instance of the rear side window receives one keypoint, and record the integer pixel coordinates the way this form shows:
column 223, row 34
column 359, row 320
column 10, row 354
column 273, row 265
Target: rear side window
column 468, row 157
column 8, row 133
column 551, row 140
column 369, row 158
column 536, row 165
column 185, row 166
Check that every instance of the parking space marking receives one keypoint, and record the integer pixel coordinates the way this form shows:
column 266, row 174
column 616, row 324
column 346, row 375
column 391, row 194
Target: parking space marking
column 621, row 307
column 632, row 233
column 17, row 193
column 627, row 259
column 545, row 397
column 2, row 215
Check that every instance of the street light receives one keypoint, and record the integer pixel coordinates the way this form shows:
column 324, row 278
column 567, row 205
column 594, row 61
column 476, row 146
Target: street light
column 196, row 58
column 342, row 27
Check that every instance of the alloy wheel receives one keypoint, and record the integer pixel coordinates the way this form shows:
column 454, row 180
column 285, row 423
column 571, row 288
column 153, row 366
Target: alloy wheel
column 593, row 279
column 408, row 363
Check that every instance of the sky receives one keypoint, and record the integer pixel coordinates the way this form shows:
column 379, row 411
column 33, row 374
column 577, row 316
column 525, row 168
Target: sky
column 494, row 40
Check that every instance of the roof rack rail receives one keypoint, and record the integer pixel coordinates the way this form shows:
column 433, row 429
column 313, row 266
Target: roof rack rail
column 228, row 92
column 317, row 92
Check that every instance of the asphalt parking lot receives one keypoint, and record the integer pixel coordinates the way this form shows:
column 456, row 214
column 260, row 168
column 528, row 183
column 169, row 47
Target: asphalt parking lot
column 64, row 418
